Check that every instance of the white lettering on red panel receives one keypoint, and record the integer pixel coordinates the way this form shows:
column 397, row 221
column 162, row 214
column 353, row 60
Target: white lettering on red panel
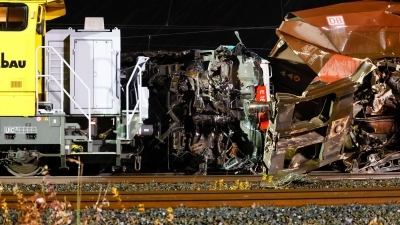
column 335, row 20
column 261, row 96
column 261, row 93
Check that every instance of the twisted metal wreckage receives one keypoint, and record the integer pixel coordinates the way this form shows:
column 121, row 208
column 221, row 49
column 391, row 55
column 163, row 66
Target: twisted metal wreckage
column 342, row 106
column 328, row 96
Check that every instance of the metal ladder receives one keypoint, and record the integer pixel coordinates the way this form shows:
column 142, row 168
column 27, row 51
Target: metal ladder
column 61, row 86
column 136, row 114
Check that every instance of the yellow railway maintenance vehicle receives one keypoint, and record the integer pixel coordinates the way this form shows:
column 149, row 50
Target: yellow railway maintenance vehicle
column 53, row 84
column 22, row 29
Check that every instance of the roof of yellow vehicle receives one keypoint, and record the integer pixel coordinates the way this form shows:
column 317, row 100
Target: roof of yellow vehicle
column 54, row 8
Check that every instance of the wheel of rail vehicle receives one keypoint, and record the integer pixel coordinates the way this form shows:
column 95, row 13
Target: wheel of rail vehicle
column 23, row 169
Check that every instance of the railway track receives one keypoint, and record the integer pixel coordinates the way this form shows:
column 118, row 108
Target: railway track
column 210, row 198
column 130, row 179
column 139, row 179
column 247, row 198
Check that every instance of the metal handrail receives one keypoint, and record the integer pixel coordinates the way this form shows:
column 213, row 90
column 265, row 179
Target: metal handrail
column 141, row 63
column 87, row 115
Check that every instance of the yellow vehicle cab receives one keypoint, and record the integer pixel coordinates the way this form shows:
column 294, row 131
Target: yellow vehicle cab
column 22, row 28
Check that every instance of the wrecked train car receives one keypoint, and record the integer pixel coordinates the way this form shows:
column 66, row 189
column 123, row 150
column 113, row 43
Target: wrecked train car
column 196, row 104
column 336, row 82
column 326, row 98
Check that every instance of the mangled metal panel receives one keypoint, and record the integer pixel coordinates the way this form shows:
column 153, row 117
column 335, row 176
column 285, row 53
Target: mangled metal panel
column 335, row 40
column 335, row 75
column 357, row 29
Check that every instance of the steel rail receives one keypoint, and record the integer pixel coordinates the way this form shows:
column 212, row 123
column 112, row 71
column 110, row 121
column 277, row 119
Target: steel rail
column 129, row 179
column 246, row 198
column 160, row 178
column 350, row 176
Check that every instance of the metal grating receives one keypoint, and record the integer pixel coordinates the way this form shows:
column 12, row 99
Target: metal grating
column 16, row 84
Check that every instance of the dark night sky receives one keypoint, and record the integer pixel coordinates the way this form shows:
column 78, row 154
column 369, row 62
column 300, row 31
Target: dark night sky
column 176, row 25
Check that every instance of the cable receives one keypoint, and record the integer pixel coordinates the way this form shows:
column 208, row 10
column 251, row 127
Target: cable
column 148, row 46
column 286, row 3
column 205, row 31
column 148, row 26
column 183, row 33
column 186, row 47
column 169, row 11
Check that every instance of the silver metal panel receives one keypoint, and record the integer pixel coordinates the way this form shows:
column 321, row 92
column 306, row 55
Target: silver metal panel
column 55, row 68
column 144, row 102
column 46, row 131
column 54, row 121
column 59, row 40
column 102, row 74
column 83, row 52
column 95, row 57
column 55, row 64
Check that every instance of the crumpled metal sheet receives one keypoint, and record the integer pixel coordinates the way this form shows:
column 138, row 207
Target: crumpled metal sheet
column 356, row 29
column 334, row 41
